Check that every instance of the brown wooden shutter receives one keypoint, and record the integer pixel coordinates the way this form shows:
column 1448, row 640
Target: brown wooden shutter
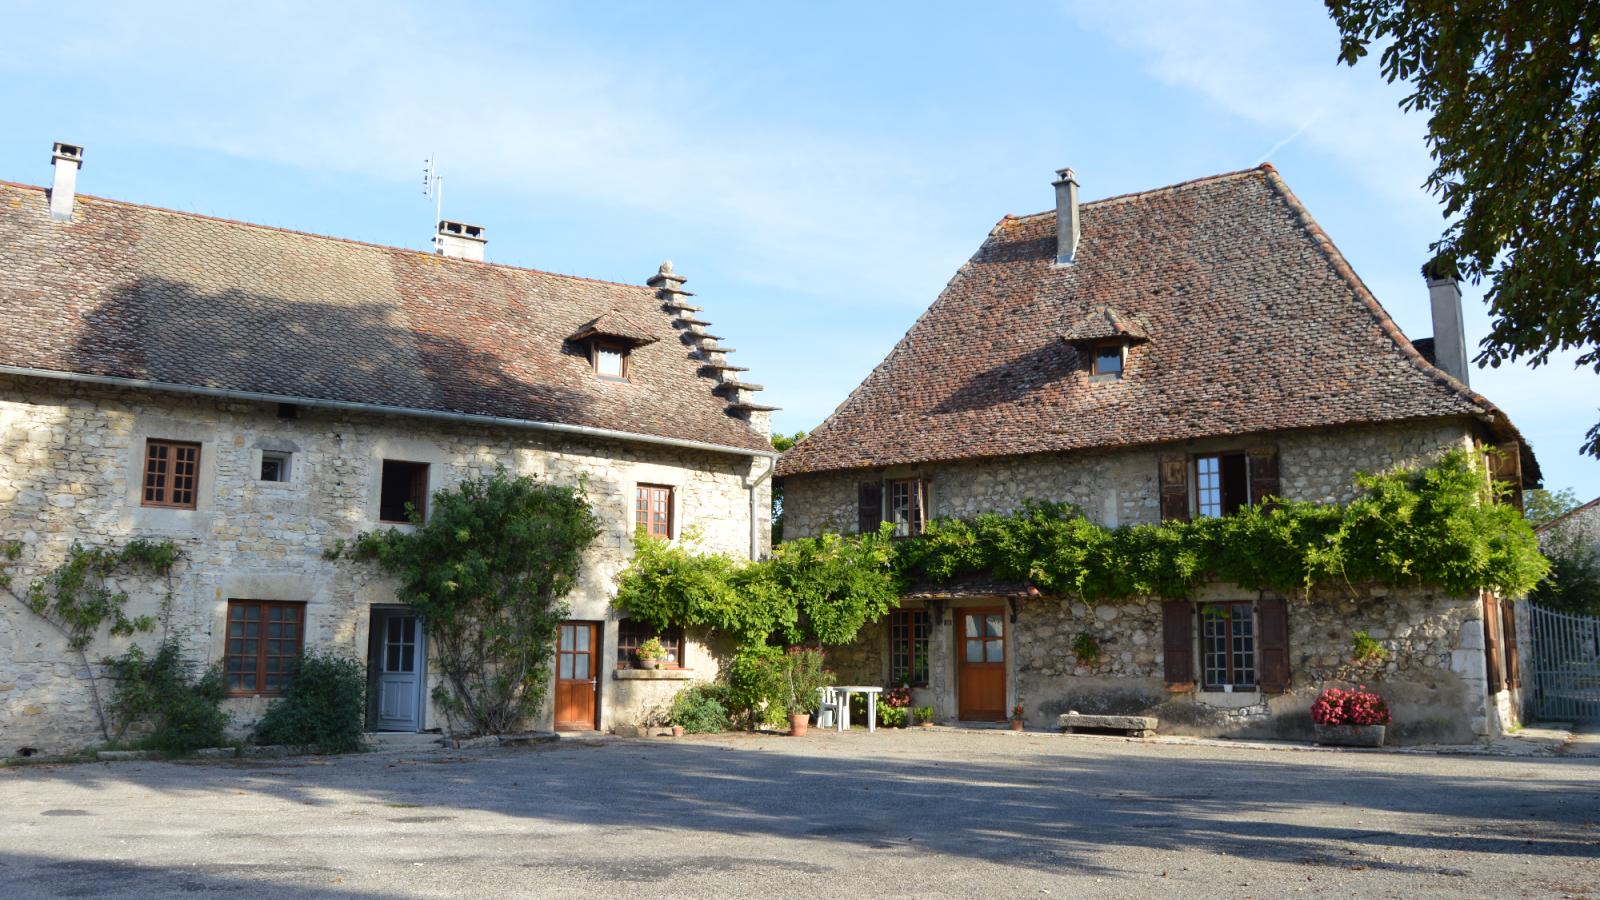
column 1508, row 635
column 1174, row 477
column 1491, row 642
column 1274, row 615
column 870, row 513
column 419, row 491
column 922, row 510
column 1263, row 473
column 1178, row 645
column 1505, row 464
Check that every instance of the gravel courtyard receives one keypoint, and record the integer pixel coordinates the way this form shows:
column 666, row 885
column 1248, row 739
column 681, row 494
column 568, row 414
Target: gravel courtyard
column 896, row 814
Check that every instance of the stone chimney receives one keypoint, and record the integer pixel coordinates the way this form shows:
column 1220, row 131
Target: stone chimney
column 1449, row 336
column 68, row 159
column 713, row 357
column 460, row 240
column 1066, row 218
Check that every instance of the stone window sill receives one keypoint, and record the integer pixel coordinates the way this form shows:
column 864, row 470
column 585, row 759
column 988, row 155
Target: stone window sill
column 653, row 674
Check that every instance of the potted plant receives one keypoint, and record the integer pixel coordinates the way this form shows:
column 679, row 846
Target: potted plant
column 651, row 653
column 803, row 678
column 1357, row 718
column 1016, row 717
column 924, row 716
column 894, row 711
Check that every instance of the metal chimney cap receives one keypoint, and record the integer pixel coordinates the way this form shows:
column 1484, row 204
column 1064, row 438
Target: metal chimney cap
column 69, row 152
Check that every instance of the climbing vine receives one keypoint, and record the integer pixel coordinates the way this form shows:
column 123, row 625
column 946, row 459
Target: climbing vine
column 811, row 590
column 79, row 596
column 1437, row 525
column 488, row 573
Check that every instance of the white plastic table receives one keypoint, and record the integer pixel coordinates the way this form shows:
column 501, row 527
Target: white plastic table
column 872, row 705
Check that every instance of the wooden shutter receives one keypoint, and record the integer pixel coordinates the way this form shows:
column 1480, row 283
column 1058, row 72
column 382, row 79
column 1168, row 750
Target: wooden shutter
column 1273, row 613
column 419, row 490
column 870, row 513
column 1491, row 642
column 1505, row 464
column 1174, row 478
column 1508, row 636
column 1263, row 472
column 922, row 508
column 1178, row 645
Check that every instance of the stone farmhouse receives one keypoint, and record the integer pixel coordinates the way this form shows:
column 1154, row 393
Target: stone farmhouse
column 255, row 394
column 1172, row 353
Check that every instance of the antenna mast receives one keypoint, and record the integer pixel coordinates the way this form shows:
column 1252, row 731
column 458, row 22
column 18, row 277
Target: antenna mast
column 433, row 187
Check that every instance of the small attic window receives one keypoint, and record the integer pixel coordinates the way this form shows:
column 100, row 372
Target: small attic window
column 1108, row 358
column 610, row 360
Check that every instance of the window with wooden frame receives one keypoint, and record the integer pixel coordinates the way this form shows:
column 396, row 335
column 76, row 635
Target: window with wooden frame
column 631, row 634
column 610, row 360
column 1228, row 646
column 264, row 640
column 1222, row 484
column 907, row 506
column 653, row 510
column 909, row 637
column 1107, row 358
column 171, row 474
column 404, row 484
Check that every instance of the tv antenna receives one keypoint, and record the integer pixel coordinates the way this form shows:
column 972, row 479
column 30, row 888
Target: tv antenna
column 433, row 188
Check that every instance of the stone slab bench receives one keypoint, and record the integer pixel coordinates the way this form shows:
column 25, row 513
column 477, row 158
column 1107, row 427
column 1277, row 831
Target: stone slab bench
column 1132, row 726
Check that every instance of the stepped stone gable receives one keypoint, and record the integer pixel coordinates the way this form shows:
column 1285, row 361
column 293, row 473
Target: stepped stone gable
column 152, row 294
column 1255, row 323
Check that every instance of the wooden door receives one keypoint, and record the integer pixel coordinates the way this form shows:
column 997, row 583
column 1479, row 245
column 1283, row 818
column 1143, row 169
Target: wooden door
column 577, row 692
column 981, row 692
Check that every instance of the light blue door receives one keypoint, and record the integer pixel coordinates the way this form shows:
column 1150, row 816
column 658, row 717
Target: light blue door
column 400, row 675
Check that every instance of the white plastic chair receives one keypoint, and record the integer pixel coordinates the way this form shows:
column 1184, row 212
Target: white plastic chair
column 831, row 712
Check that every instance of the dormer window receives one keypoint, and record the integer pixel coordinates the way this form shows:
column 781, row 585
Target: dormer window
column 610, row 361
column 610, row 341
column 1108, row 358
column 1103, row 337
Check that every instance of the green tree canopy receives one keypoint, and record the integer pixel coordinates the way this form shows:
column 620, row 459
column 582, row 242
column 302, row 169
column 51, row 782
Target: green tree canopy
column 1514, row 129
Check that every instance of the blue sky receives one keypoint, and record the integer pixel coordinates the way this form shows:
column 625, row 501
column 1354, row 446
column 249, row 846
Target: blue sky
column 818, row 171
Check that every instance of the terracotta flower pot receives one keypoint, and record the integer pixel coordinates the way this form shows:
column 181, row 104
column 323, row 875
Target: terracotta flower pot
column 1016, row 724
column 798, row 723
column 649, row 662
column 924, row 724
column 677, row 731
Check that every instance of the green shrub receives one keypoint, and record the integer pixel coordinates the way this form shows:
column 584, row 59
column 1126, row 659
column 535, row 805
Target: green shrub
column 183, row 708
column 699, row 709
column 324, row 704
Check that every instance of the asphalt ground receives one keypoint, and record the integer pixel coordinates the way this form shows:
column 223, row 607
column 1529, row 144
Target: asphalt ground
column 893, row 814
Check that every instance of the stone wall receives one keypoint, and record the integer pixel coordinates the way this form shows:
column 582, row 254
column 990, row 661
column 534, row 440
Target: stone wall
column 1432, row 676
column 1119, row 486
column 70, row 466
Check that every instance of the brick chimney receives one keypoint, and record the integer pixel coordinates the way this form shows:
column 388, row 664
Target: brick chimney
column 1449, row 336
column 68, row 159
column 1066, row 217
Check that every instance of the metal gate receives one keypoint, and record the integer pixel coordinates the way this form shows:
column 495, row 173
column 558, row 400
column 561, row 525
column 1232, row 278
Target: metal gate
column 1566, row 665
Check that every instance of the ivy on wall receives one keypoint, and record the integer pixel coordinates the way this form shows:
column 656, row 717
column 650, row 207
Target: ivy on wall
column 79, row 596
column 1436, row 525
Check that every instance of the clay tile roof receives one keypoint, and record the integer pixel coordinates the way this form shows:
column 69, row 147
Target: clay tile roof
column 1256, row 323
column 153, row 294
column 1103, row 324
column 614, row 325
